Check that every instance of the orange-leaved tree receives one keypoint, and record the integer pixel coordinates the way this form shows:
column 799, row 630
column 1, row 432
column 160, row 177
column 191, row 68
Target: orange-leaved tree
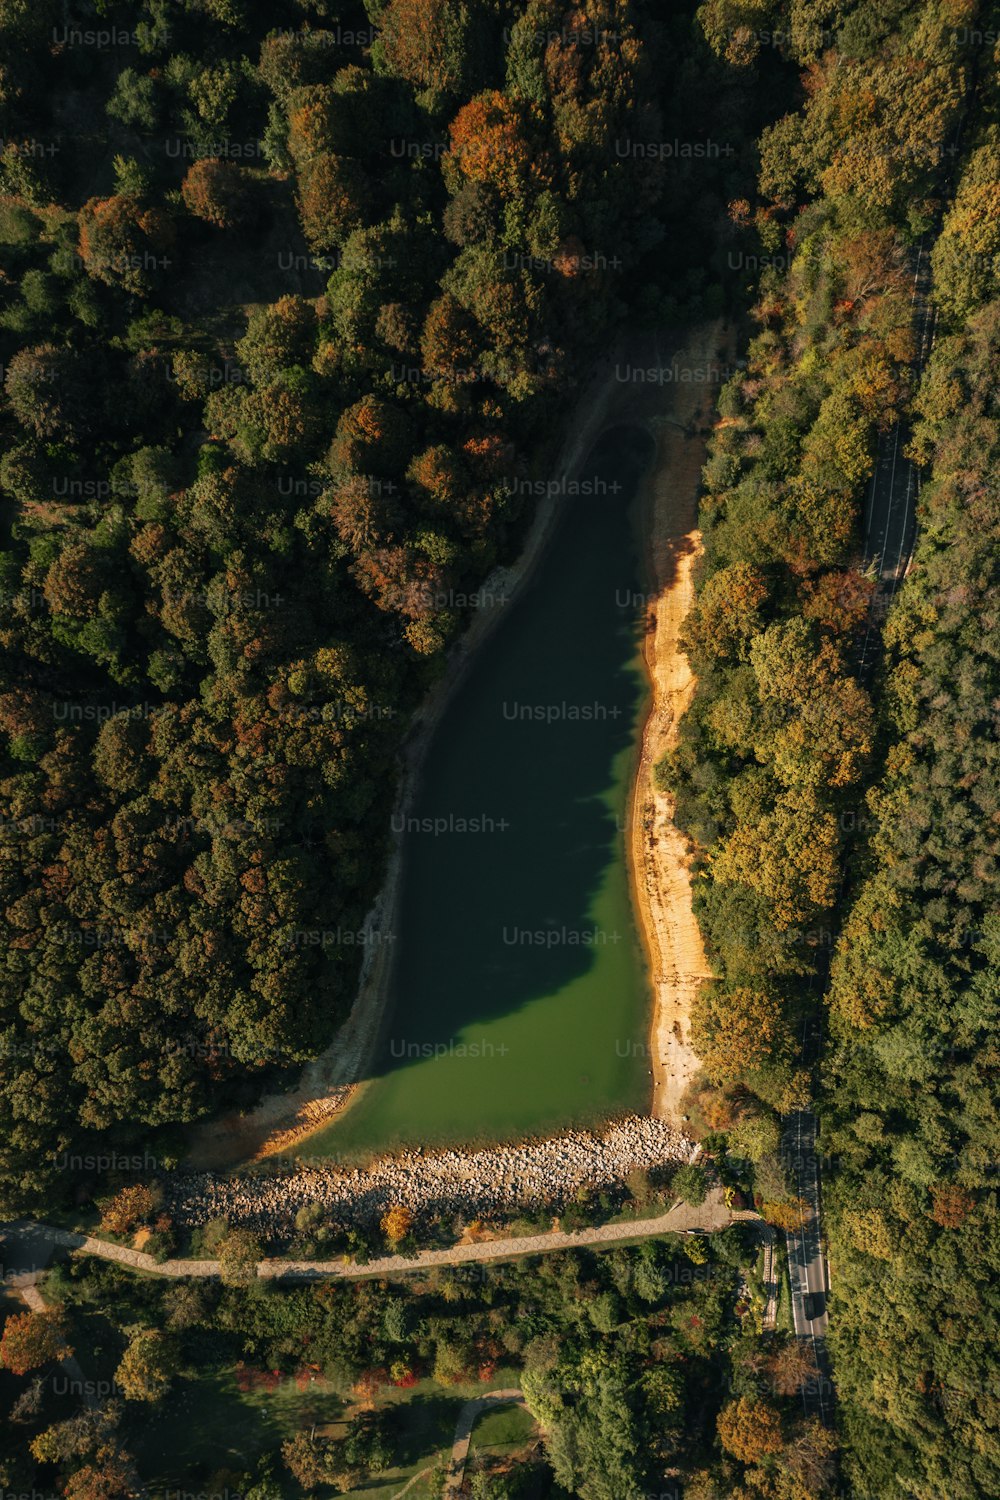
column 129, row 1206
column 218, row 192
column 750, row 1430
column 124, row 243
column 489, row 143
column 736, row 1030
column 397, row 1222
column 32, row 1339
column 437, row 44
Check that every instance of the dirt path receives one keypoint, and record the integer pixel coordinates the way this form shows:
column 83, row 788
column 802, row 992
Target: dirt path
column 710, row 1217
column 70, row 1366
column 660, row 855
column 467, row 1419
column 422, row 1474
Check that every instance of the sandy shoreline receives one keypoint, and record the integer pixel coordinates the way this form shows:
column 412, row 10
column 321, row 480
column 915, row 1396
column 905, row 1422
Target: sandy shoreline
column 659, row 854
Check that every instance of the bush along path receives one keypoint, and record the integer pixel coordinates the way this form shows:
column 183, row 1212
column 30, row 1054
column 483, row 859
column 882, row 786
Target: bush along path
column 710, row 1217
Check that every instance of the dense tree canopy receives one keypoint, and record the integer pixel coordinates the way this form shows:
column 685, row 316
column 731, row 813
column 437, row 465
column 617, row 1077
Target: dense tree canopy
column 776, row 750
column 912, row 1075
column 626, row 1360
column 784, row 738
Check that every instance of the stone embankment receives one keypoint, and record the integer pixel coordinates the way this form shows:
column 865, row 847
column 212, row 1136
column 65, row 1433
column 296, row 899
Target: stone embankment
column 501, row 1180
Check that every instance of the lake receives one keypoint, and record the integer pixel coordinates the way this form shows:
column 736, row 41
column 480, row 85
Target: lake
column 520, row 1001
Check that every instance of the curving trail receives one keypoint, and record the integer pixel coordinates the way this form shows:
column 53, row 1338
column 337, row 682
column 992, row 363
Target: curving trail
column 467, row 1419
column 711, row 1217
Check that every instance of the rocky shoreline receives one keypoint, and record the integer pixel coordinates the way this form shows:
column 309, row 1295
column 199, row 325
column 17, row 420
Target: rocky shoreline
column 499, row 1180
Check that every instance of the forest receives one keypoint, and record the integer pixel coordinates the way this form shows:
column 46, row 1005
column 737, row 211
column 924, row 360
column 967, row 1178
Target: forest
column 837, row 772
column 784, row 735
column 910, row 1081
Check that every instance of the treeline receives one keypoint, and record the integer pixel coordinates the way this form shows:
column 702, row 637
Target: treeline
column 912, row 1073
column 292, row 297
column 770, row 770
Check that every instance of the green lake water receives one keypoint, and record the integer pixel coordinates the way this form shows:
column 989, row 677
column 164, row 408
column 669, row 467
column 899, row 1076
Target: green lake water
column 521, row 998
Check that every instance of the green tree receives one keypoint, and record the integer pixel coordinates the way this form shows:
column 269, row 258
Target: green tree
column 134, row 100
column 239, row 1255
column 689, row 1184
column 147, row 1367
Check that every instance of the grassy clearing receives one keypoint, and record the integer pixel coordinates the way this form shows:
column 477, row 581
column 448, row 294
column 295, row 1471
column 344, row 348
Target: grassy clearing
column 502, row 1433
column 211, row 1425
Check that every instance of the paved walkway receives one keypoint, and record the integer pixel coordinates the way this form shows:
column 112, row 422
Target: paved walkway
column 35, row 1302
column 467, row 1419
column 711, row 1217
column 770, row 1286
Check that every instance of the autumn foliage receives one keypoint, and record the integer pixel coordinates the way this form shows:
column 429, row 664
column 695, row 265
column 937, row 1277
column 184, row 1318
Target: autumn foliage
column 951, row 1204
column 786, row 1216
column 32, row 1339
column 489, row 143
column 396, row 1223
column 333, row 195
column 363, row 512
column 371, row 438
column 218, row 192
column 750, row 1430
column 111, row 1477
column 728, row 614
column 129, row 1207
column 449, row 344
column 428, row 42
column 735, row 1030
column 124, row 243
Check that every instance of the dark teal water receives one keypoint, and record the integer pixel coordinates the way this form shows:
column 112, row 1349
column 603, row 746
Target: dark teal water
column 521, row 996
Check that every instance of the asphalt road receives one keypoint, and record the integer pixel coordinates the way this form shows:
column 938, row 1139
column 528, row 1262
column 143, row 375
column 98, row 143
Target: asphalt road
column 807, row 1264
column 891, row 501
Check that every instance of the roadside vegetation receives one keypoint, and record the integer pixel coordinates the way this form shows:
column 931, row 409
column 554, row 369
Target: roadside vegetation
column 783, row 735
column 911, row 1074
column 843, row 822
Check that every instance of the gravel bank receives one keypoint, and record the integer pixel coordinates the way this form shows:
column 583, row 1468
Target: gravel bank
column 503, row 1179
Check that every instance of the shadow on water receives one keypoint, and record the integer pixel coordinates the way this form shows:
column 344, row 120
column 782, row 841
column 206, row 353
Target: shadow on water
column 521, row 892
